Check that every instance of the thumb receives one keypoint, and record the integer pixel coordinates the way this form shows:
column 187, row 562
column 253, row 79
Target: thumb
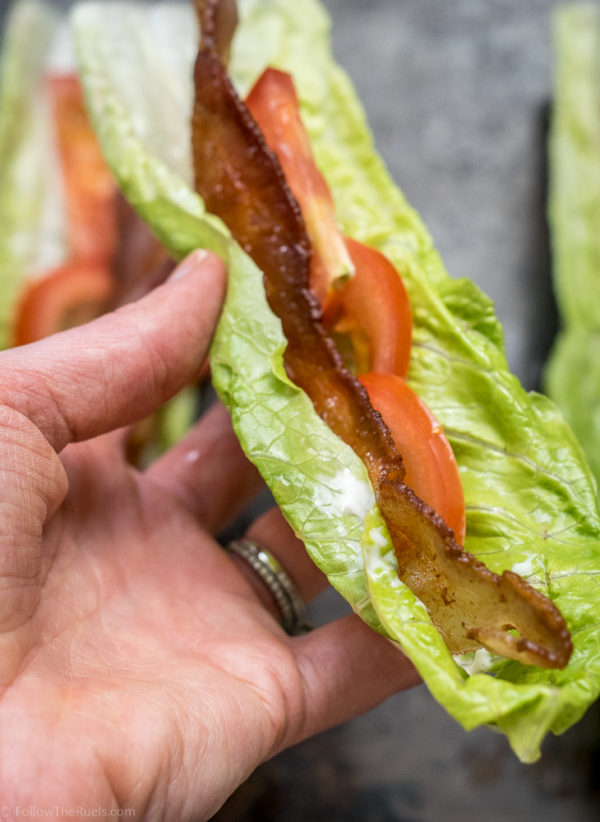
column 121, row 367
column 74, row 386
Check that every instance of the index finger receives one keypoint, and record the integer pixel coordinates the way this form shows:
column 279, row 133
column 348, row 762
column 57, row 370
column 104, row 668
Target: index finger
column 121, row 367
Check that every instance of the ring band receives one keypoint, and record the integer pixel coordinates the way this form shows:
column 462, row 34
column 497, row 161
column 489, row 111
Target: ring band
column 268, row 568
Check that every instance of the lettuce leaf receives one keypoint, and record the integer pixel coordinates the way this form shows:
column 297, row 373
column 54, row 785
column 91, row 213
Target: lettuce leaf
column 531, row 501
column 26, row 181
column 572, row 376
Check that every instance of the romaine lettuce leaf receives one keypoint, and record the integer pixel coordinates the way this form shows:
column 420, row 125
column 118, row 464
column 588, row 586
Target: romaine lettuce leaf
column 531, row 502
column 26, row 180
column 573, row 371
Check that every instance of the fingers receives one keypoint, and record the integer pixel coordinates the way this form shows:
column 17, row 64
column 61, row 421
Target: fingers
column 121, row 367
column 347, row 669
column 33, row 483
column 209, row 472
column 271, row 531
column 188, row 471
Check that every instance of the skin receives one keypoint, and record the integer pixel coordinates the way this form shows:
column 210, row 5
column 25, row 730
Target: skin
column 141, row 666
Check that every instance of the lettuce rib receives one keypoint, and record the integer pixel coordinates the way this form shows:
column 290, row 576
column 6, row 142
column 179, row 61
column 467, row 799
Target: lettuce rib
column 572, row 376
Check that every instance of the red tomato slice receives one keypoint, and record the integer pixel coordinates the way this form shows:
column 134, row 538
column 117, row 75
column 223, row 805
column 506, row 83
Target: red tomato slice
column 79, row 289
column 90, row 190
column 70, row 295
column 431, row 469
column 369, row 313
column 274, row 105
column 373, row 309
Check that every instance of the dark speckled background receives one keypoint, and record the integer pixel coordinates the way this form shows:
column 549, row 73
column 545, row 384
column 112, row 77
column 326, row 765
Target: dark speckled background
column 457, row 94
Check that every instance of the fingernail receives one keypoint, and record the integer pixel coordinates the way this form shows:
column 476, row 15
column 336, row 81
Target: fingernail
column 191, row 262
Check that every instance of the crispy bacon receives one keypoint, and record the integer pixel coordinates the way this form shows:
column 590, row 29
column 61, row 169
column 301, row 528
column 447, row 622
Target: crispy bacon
column 218, row 19
column 241, row 180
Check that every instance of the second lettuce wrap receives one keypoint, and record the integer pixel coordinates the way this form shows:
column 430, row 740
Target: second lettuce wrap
column 33, row 210
column 573, row 370
column 530, row 497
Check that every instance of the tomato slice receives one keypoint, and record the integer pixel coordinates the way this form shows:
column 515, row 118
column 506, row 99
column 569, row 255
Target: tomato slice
column 431, row 469
column 69, row 295
column 79, row 289
column 372, row 309
column 368, row 313
column 90, row 190
column 273, row 103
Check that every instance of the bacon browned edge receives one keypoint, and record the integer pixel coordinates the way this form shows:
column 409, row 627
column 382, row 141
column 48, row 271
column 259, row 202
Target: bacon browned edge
column 241, row 180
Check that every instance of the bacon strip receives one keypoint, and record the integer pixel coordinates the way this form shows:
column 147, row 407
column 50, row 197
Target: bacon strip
column 241, row 180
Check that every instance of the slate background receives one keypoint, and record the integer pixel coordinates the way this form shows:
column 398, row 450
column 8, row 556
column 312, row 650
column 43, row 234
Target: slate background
column 457, row 95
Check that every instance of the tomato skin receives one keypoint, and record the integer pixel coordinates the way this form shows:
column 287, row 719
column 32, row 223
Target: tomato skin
column 373, row 308
column 69, row 295
column 431, row 469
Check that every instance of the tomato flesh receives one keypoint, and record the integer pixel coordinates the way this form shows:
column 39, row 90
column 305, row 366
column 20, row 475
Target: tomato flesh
column 273, row 103
column 431, row 469
column 372, row 308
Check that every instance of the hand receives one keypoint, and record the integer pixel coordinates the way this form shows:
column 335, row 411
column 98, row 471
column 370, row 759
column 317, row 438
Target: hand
column 140, row 666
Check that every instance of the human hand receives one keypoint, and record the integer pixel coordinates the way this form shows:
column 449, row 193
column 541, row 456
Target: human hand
column 140, row 665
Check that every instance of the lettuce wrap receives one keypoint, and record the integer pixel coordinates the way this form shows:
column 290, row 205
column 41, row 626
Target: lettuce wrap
column 572, row 375
column 530, row 496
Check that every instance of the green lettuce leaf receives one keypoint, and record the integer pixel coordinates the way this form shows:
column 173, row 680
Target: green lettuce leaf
column 531, row 502
column 572, row 376
column 28, row 233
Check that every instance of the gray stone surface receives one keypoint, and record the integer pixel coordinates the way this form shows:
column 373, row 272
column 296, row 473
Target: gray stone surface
column 456, row 93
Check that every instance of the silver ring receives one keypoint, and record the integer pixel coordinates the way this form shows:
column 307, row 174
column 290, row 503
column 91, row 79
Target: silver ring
column 268, row 568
